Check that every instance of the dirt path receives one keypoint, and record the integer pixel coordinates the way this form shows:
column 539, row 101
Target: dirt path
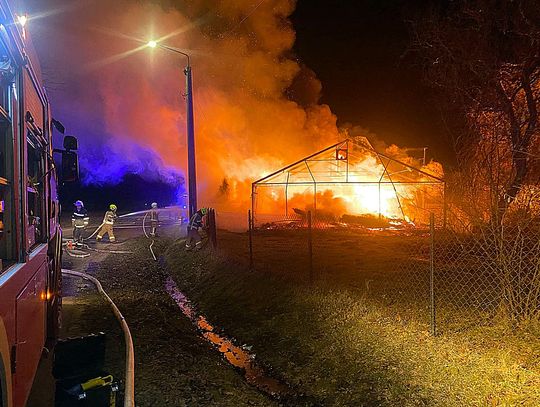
column 174, row 366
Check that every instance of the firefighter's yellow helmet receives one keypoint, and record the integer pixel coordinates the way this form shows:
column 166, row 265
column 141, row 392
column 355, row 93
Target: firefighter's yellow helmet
column 112, row 207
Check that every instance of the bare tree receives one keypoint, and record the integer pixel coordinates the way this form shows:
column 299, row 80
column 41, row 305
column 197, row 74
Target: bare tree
column 484, row 55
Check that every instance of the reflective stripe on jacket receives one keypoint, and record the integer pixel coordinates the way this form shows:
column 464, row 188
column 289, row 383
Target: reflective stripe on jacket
column 80, row 218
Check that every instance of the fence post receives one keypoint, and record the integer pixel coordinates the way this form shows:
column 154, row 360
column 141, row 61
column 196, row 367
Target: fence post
column 250, row 232
column 310, row 247
column 445, row 207
column 432, row 320
column 213, row 227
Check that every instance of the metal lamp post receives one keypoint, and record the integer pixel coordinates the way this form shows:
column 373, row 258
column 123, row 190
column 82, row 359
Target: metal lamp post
column 192, row 176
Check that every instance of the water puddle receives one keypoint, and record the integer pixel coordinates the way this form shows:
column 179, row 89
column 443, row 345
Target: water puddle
column 235, row 355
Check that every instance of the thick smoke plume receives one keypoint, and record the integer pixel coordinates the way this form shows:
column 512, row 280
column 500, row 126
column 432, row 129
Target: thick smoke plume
column 127, row 107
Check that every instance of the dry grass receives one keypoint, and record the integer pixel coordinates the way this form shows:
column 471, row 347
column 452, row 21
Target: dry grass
column 343, row 349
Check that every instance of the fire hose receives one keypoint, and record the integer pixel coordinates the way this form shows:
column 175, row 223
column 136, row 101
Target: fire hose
column 146, row 212
column 79, row 255
column 95, row 231
column 121, row 216
column 129, row 397
column 76, row 252
column 146, row 234
column 102, row 223
column 107, row 251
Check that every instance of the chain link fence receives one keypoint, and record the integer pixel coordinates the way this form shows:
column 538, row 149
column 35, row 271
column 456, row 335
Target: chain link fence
column 280, row 245
column 443, row 279
column 487, row 274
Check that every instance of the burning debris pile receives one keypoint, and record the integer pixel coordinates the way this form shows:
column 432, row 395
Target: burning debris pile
column 325, row 220
column 351, row 183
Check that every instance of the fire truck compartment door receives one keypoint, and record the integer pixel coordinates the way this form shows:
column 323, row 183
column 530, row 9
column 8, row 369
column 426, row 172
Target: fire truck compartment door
column 30, row 334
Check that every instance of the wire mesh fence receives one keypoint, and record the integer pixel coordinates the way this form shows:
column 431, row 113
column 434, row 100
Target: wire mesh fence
column 487, row 274
column 280, row 245
column 446, row 280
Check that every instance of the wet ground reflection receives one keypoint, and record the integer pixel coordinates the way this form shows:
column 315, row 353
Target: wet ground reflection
column 235, row 355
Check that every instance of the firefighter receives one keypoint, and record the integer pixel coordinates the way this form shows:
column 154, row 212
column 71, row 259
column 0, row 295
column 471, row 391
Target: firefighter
column 107, row 225
column 79, row 221
column 194, row 224
column 154, row 219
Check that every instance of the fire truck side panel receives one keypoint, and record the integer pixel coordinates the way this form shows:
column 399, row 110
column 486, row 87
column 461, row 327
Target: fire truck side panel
column 5, row 368
column 23, row 300
column 30, row 272
column 30, row 308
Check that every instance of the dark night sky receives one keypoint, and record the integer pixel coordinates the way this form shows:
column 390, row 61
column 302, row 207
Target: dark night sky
column 356, row 48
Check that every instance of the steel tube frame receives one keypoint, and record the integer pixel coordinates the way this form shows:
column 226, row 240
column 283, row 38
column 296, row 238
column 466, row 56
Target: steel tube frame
column 265, row 180
column 351, row 183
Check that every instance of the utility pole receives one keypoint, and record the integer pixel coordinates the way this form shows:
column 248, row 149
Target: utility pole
column 192, row 176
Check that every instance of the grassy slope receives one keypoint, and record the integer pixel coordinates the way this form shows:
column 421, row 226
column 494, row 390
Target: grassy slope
column 173, row 365
column 344, row 351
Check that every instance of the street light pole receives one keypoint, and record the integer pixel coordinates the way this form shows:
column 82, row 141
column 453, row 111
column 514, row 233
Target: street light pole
column 192, row 176
column 190, row 127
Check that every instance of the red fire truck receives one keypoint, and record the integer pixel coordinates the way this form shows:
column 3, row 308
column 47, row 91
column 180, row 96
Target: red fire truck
column 30, row 234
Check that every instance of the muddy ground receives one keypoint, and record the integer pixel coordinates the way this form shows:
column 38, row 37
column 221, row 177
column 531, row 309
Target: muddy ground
column 174, row 366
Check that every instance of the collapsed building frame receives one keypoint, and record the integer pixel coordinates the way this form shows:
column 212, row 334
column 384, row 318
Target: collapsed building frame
column 352, row 165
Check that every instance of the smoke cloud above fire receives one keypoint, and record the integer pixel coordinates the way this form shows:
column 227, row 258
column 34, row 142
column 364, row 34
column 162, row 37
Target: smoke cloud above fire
column 256, row 107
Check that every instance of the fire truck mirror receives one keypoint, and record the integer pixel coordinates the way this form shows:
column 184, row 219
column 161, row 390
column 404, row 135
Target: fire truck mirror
column 71, row 143
column 70, row 166
column 58, row 126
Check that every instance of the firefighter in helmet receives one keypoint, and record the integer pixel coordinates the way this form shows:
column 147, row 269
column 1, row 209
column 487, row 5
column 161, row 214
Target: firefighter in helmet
column 107, row 225
column 79, row 221
column 194, row 224
column 154, row 219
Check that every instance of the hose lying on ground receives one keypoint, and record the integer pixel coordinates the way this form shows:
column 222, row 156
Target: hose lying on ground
column 76, row 252
column 129, row 397
column 152, row 251
column 80, row 255
column 146, row 212
column 148, row 237
column 107, row 251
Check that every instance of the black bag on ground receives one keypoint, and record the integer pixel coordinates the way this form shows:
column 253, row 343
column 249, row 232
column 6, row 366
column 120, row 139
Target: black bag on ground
column 80, row 378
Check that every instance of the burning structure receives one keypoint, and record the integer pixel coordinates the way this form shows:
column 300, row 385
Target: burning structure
column 349, row 180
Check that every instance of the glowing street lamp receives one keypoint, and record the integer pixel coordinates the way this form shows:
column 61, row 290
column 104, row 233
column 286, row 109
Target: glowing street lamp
column 192, row 177
column 22, row 20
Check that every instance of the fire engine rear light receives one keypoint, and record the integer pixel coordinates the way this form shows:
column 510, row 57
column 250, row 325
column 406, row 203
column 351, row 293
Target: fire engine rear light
column 46, row 295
